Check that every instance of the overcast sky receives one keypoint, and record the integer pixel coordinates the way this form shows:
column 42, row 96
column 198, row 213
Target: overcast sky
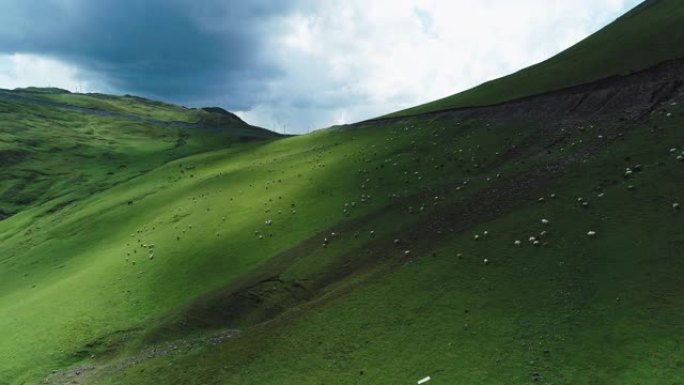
column 296, row 64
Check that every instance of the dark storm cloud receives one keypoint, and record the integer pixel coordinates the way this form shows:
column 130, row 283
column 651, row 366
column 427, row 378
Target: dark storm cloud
column 180, row 50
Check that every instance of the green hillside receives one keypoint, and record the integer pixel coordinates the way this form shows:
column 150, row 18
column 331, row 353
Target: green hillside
column 648, row 35
column 58, row 153
column 146, row 243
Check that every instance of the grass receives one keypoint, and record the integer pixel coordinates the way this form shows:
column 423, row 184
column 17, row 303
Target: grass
column 577, row 310
column 83, row 280
column 128, row 105
column 239, row 227
column 648, row 35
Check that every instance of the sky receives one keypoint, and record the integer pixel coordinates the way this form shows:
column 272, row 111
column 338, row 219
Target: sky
column 293, row 65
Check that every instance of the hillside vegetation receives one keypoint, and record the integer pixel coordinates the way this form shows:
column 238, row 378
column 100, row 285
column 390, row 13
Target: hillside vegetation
column 538, row 241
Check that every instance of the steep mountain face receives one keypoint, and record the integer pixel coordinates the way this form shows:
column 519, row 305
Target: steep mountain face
column 646, row 36
column 533, row 241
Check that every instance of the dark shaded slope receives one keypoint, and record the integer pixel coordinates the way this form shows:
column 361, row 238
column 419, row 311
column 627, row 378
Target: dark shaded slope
column 633, row 96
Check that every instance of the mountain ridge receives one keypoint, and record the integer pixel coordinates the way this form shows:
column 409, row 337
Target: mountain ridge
column 620, row 48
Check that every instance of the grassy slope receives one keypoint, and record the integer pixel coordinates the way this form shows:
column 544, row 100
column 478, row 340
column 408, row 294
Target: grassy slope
column 78, row 290
column 50, row 153
column 606, row 310
column 119, row 104
column 551, row 310
column 649, row 34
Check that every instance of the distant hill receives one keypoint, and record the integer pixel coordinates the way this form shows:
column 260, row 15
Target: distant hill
column 45, row 132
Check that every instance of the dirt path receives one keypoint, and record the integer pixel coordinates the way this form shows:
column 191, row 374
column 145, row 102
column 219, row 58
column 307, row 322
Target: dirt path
column 83, row 374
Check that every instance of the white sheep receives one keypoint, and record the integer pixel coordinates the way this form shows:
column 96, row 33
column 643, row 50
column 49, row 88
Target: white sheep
column 423, row 380
column 591, row 234
column 517, row 243
column 676, row 206
column 545, row 222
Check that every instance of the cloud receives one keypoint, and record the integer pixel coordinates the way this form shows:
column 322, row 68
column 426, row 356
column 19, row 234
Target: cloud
column 21, row 70
column 299, row 64
column 173, row 49
column 358, row 59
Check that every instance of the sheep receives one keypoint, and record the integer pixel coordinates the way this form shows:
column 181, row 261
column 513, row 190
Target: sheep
column 545, row 222
column 486, row 261
column 423, row 380
column 517, row 243
column 591, row 234
column 407, row 252
column 532, row 239
column 676, row 206
column 477, row 237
